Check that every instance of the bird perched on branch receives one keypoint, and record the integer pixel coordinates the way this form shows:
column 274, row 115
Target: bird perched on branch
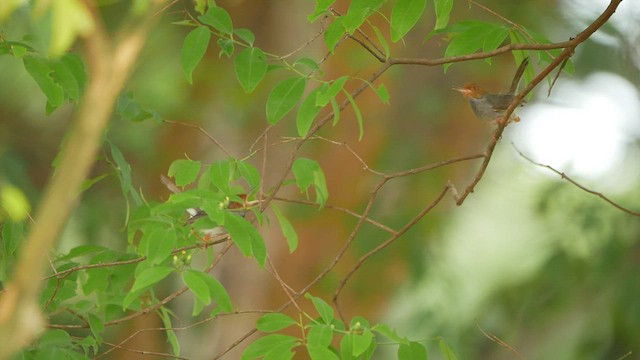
column 489, row 106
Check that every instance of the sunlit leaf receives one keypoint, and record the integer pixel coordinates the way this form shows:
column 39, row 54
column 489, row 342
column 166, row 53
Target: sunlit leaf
column 404, row 16
column 193, row 49
column 250, row 67
column 185, row 171
column 274, row 322
column 14, row 203
column 71, row 18
column 284, row 97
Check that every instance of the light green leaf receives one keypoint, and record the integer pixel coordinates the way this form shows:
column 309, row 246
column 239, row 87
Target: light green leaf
column 443, row 10
column 307, row 112
column 274, row 322
column 246, row 35
column 157, row 244
column 226, row 47
column 308, row 62
column 249, row 173
column 284, row 97
column 65, row 78
column 361, row 342
column 308, row 172
column 320, row 335
column 124, row 174
column 14, row 203
column 287, row 230
column 391, row 334
column 404, row 16
column 97, row 327
column 356, row 110
column 382, row 93
column 325, row 311
column 165, row 314
column 193, row 279
column 321, row 353
column 218, row 292
column 412, row 351
column 383, row 41
column 265, row 344
column 220, row 173
column 322, row 7
column 219, row 19
column 71, row 18
column 446, row 350
column 185, row 171
column 330, row 92
column 193, row 49
column 358, row 12
column 246, row 237
column 150, row 276
column 250, row 67
column 334, row 32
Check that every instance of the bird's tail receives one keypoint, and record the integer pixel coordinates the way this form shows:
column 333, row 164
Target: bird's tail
column 518, row 75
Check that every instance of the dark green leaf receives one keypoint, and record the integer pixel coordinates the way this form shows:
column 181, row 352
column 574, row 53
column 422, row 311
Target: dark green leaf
column 226, row 47
column 193, row 49
column 97, row 327
column 274, row 322
column 250, row 67
column 124, row 174
column 40, row 71
column 404, row 16
column 284, row 97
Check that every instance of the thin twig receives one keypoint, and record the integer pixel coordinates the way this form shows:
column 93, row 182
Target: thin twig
column 500, row 342
column 575, row 183
column 203, row 131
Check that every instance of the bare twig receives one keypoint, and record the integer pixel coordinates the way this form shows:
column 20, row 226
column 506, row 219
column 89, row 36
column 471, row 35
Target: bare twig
column 500, row 342
column 581, row 187
column 203, row 131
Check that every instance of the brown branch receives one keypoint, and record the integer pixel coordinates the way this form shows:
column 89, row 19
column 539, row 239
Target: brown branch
column 203, row 131
column 581, row 187
column 500, row 342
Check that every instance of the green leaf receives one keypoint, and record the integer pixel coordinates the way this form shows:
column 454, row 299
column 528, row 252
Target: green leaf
column 123, row 170
column 334, row 32
column 389, row 333
column 307, row 112
column 383, row 41
column 246, row 237
column 14, row 203
column 356, row 110
column 287, row 230
column 446, row 350
column 157, row 244
column 361, row 342
column 150, row 276
column 193, row 279
column 443, row 10
column 308, row 62
column 320, row 335
column 245, row 35
column 185, row 171
column 266, row 344
column 220, row 173
column 321, row 353
column 218, row 292
column 322, row 7
column 404, row 16
column 249, row 173
column 71, row 18
column 250, row 67
column 12, row 233
column 171, row 335
column 325, row 311
column 382, row 93
column 308, row 172
column 274, row 322
column 358, row 12
column 40, row 71
column 330, row 92
column 468, row 37
column 65, row 78
column 412, row 351
column 226, row 47
column 284, row 97
column 97, row 327
column 130, row 110
column 219, row 19
column 193, row 50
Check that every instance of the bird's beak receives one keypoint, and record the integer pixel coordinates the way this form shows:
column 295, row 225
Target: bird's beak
column 463, row 91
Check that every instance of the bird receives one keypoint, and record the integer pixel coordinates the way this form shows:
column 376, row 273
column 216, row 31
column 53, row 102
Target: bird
column 491, row 107
column 235, row 207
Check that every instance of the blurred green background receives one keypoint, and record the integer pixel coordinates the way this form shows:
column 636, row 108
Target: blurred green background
column 547, row 268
